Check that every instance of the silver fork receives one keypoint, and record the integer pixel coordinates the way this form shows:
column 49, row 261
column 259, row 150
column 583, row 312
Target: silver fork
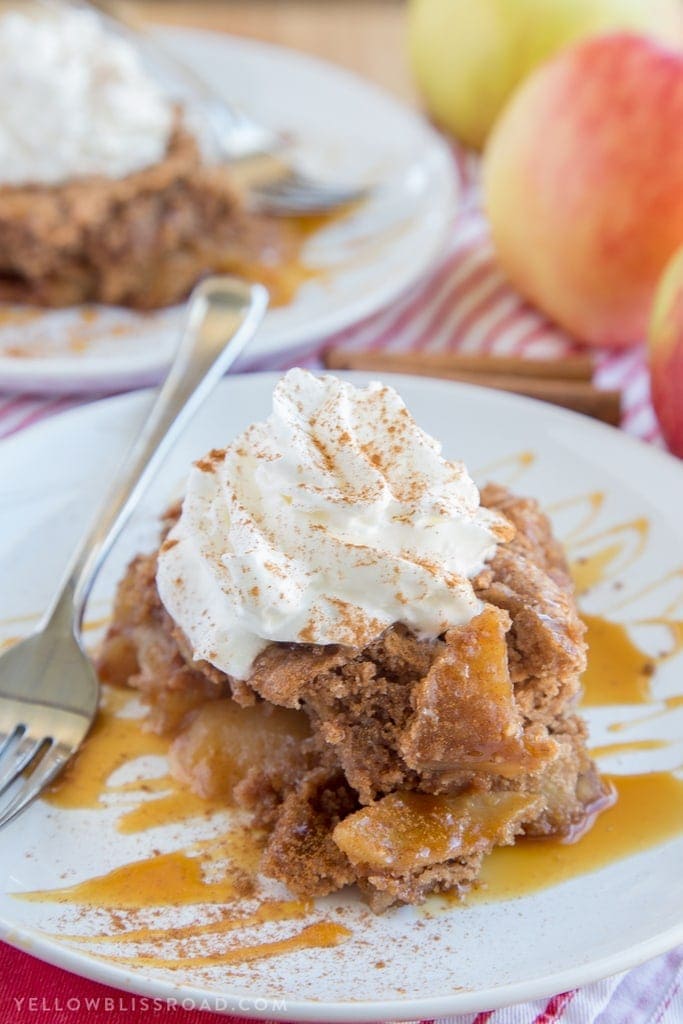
column 48, row 685
column 279, row 187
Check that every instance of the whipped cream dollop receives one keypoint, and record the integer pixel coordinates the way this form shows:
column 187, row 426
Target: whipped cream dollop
column 325, row 524
column 76, row 101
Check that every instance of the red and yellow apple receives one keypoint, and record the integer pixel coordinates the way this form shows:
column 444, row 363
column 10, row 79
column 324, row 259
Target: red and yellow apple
column 469, row 55
column 665, row 344
column 583, row 184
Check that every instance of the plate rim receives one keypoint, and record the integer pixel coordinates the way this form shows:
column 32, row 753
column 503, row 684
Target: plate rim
column 36, row 944
column 50, row 374
column 363, row 1011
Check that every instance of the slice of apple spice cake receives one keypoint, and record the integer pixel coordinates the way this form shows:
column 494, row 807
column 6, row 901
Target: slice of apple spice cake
column 344, row 637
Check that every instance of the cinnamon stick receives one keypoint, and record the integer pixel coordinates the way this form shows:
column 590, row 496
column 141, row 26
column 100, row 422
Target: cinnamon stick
column 568, row 368
column 574, row 393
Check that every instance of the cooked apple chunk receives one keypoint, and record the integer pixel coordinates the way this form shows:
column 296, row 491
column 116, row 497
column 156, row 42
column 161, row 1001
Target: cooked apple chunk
column 465, row 715
column 222, row 742
column 407, row 832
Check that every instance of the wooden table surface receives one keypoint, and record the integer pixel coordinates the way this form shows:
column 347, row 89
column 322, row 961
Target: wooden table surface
column 366, row 36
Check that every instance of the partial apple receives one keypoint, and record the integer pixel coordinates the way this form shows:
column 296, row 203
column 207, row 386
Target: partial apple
column 665, row 345
column 469, row 55
column 583, row 184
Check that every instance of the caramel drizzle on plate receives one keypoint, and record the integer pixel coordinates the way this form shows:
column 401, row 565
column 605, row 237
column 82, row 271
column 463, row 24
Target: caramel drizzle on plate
column 164, row 880
column 322, row 935
column 648, row 811
column 508, row 469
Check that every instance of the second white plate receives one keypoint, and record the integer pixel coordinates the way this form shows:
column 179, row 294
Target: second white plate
column 346, row 130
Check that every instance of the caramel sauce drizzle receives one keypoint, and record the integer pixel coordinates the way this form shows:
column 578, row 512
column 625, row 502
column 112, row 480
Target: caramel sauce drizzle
column 285, row 275
column 115, row 741
column 169, row 809
column 165, row 880
column 648, row 811
column 666, row 705
column 28, row 618
column 609, row 553
column 590, row 505
column 314, row 936
column 270, row 910
column 628, row 747
column 508, row 469
column 93, row 624
column 18, row 316
column 320, row 935
column 618, row 672
column 112, row 743
column 673, row 607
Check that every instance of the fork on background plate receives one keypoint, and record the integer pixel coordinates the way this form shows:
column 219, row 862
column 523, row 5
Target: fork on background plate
column 279, row 187
column 48, row 685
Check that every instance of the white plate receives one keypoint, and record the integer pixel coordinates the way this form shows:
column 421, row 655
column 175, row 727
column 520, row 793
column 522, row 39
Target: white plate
column 456, row 959
column 346, row 130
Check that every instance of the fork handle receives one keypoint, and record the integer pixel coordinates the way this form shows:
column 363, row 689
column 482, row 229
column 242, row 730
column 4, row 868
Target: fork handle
column 111, row 12
column 221, row 309
column 238, row 136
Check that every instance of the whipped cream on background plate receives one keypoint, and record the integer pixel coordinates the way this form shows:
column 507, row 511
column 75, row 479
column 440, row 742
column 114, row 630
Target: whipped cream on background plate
column 327, row 523
column 76, row 101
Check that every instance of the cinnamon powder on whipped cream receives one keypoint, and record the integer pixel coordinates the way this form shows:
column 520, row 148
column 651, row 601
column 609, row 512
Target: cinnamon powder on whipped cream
column 325, row 524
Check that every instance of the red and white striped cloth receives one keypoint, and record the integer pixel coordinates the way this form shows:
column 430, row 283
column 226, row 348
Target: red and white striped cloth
column 465, row 304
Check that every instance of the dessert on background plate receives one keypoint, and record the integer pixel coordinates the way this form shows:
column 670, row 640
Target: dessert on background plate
column 323, row 274
column 107, row 192
column 345, row 638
